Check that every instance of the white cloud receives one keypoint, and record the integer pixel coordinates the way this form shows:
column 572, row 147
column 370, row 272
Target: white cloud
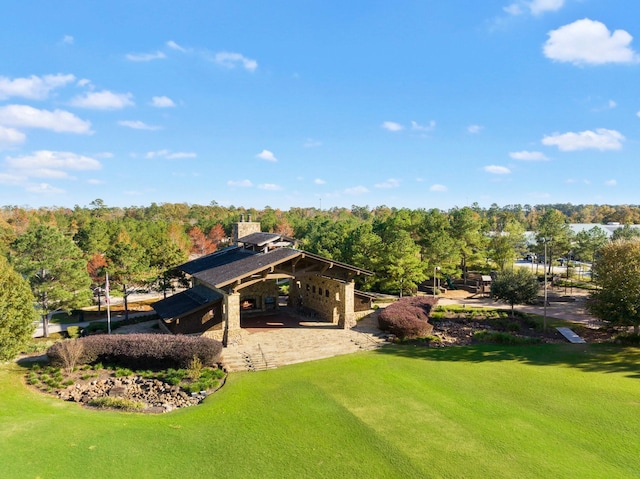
column 528, row 156
column 179, row 155
column 612, row 104
column 536, row 7
column 33, row 87
column 497, row 170
column 12, row 179
column 145, row 57
column 473, row 129
column 51, row 164
column 169, row 155
column 588, row 42
column 44, row 188
column 103, row 100
column 162, row 102
column 174, row 46
column 610, row 183
column 267, row 156
column 10, row 137
column 356, row 190
column 84, row 82
column 417, row 127
column 438, row 188
column 231, row 60
column 392, row 126
column 540, row 6
column 138, row 125
column 601, row 139
column 240, row 183
column 513, row 9
column 270, row 187
column 68, row 40
column 390, row 183
column 24, row 116
column 319, row 181
column 95, row 181
column 309, row 143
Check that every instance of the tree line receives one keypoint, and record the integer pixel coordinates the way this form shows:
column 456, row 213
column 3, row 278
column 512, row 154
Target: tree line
column 138, row 246
column 64, row 253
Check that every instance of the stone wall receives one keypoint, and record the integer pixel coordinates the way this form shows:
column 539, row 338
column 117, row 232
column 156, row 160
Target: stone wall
column 262, row 297
column 331, row 299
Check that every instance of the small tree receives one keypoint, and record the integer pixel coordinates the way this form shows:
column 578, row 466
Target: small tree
column 617, row 272
column 515, row 287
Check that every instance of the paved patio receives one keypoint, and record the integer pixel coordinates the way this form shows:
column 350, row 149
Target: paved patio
column 267, row 342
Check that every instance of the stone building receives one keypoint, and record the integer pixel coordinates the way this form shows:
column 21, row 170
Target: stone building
column 243, row 280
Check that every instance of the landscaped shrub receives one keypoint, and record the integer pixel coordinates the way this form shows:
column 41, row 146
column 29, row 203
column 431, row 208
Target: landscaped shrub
column 116, row 403
column 408, row 317
column 498, row 337
column 73, row 332
column 70, row 353
column 143, row 351
column 628, row 339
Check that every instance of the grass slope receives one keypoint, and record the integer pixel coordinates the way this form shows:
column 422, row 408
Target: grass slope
column 538, row 411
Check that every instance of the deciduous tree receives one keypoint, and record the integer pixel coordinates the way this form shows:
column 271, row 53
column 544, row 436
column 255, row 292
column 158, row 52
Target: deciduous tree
column 617, row 272
column 519, row 286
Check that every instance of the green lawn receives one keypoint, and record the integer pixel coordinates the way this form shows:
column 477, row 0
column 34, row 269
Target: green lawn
column 549, row 411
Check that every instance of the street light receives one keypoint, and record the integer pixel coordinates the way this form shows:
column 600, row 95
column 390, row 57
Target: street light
column 435, row 270
column 544, row 324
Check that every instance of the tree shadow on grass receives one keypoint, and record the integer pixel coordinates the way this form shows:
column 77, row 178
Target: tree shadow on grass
column 607, row 358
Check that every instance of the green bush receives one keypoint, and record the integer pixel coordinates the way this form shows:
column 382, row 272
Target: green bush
column 97, row 327
column 497, row 337
column 116, row 403
column 73, row 332
column 123, row 372
column 628, row 339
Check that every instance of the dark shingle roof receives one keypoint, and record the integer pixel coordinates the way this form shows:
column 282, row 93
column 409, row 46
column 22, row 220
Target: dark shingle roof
column 185, row 302
column 214, row 260
column 259, row 239
column 224, row 274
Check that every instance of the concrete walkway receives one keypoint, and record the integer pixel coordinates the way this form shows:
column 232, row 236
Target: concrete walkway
column 558, row 306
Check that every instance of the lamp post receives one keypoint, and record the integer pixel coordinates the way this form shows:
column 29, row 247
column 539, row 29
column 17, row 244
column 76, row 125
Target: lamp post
column 544, row 323
column 435, row 270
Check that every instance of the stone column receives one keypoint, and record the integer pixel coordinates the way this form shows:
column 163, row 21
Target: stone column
column 347, row 317
column 231, row 316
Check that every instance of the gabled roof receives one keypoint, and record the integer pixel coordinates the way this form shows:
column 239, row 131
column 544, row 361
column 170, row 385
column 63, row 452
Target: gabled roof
column 222, row 275
column 217, row 259
column 185, row 302
column 240, row 265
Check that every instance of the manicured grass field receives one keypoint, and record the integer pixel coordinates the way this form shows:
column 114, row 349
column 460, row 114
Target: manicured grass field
column 551, row 411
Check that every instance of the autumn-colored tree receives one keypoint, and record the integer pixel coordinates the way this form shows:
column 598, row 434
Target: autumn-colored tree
column 96, row 267
column 217, row 235
column 284, row 228
column 200, row 244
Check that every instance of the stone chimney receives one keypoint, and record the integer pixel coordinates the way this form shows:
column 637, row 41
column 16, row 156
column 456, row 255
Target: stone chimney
column 244, row 228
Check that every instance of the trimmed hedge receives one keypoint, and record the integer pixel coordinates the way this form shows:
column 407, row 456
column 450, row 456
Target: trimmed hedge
column 143, row 351
column 408, row 318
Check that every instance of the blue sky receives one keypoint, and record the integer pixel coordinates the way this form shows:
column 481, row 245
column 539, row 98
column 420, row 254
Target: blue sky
column 419, row 104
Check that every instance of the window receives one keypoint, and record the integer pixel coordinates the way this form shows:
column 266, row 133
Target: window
column 320, row 291
column 326, row 293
